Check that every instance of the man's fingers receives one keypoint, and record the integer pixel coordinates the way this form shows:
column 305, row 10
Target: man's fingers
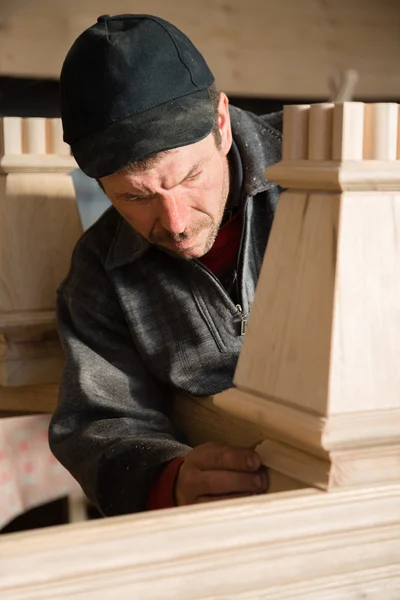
column 224, row 458
column 217, row 483
column 216, row 470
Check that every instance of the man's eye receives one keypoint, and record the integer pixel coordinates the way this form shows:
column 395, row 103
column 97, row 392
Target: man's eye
column 138, row 199
column 194, row 176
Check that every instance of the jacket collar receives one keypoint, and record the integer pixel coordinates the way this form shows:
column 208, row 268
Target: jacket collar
column 259, row 145
column 127, row 246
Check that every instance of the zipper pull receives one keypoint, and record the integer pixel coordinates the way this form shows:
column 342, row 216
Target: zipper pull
column 243, row 320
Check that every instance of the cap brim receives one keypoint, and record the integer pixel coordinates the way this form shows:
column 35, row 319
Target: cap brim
column 177, row 123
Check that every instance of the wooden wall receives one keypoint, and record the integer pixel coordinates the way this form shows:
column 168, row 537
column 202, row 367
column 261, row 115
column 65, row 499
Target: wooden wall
column 268, row 48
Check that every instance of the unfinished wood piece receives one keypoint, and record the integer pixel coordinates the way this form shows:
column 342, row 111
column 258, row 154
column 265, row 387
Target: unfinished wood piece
column 34, row 136
column 348, row 131
column 295, row 546
column 295, row 132
column 398, row 133
column 30, row 350
column 381, row 131
column 39, row 227
column 55, row 142
column 320, row 132
column 10, row 136
column 29, row 399
column 323, row 338
column 203, row 421
column 317, row 39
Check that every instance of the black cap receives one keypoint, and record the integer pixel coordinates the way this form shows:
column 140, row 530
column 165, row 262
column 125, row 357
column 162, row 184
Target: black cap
column 131, row 86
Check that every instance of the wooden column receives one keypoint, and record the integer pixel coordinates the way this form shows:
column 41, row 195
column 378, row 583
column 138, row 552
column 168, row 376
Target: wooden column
column 39, row 226
column 320, row 363
column 318, row 384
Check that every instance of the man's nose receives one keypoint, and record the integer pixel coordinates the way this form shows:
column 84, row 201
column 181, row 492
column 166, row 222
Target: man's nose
column 173, row 213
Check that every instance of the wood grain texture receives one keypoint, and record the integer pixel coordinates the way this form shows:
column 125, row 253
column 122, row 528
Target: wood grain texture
column 323, row 339
column 324, row 335
column 268, row 48
column 337, row 176
column 39, row 227
column 320, row 131
column 286, row 351
column 202, row 420
column 365, row 372
column 295, row 129
column 304, row 544
column 37, row 212
column 30, row 349
column 30, row 399
column 348, row 131
column 242, row 420
column 381, row 131
column 305, row 430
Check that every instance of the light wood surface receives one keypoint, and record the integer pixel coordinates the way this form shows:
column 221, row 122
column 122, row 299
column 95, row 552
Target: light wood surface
column 337, row 176
column 298, row 545
column 348, row 131
column 381, row 131
column 324, row 330
column 270, row 48
column 320, row 132
column 28, row 399
column 205, row 419
column 39, row 227
column 319, row 400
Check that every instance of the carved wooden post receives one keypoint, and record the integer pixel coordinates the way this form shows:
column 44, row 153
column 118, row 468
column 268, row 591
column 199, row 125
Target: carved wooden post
column 318, row 380
column 39, row 226
column 320, row 364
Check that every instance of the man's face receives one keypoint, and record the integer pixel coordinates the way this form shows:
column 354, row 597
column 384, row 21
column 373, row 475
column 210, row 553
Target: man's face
column 178, row 202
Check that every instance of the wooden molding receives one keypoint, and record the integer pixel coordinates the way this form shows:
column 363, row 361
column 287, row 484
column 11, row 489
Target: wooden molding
column 12, row 322
column 308, row 430
column 299, row 545
column 337, row 176
column 361, row 449
column 28, row 399
column 39, row 227
column 29, row 163
column 203, row 420
column 30, row 349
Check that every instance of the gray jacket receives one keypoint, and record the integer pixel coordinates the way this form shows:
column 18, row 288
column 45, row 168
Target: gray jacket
column 137, row 325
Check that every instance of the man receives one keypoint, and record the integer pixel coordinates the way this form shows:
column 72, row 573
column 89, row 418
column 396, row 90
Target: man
column 160, row 286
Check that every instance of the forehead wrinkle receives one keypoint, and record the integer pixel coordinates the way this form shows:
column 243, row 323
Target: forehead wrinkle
column 164, row 184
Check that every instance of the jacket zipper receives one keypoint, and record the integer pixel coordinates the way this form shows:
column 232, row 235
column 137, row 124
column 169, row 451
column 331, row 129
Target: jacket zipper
column 240, row 312
column 243, row 316
column 243, row 320
column 239, row 261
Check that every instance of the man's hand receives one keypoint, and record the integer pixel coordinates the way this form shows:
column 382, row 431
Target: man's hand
column 216, row 472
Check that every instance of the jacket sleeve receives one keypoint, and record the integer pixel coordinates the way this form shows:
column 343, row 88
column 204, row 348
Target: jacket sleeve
column 110, row 429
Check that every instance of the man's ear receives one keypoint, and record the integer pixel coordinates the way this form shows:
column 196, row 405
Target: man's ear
column 224, row 123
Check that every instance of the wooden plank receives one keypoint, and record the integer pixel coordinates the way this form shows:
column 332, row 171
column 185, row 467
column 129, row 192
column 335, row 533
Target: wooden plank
column 267, row 48
column 202, row 420
column 292, row 309
column 323, row 334
column 30, row 349
column 29, row 399
column 302, row 545
column 39, row 227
